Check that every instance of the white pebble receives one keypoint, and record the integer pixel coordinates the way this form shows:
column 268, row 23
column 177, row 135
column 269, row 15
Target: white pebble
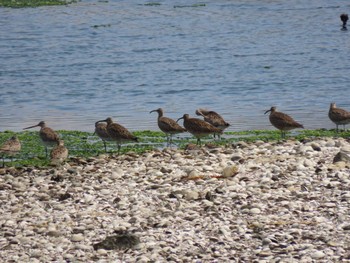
column 318, row 255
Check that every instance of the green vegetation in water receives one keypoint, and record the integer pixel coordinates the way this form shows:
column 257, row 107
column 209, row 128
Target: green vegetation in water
column 34, row 3
column 103, row 25
column 194, row 5
column 152, row 4
column 85, row 144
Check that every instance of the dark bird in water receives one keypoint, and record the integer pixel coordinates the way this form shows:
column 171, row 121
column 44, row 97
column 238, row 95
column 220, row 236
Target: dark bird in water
column 338, row 116
column 198, row 128
column 344, row 18
column 167, row 125
column 282, row 121
column 48, row 136
column 118, row 133
column 213, row 118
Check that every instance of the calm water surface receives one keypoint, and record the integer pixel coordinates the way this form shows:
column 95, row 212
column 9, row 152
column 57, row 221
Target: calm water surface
column 77, row 64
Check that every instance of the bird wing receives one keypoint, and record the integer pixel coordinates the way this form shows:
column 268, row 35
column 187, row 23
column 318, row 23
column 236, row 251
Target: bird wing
column 59, row 152
column 215, row 119
column 11, row 146
column 200, row 126
column 101, row 131
column 119, row 132
column 282, row 120
column 6, row 146
column 168, row 125
column 339, row 114
column 48, row 134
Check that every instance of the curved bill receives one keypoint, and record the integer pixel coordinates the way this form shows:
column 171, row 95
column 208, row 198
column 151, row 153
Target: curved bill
column 179, row 119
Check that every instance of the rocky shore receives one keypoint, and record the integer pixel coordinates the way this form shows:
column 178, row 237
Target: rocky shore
column 261, row 202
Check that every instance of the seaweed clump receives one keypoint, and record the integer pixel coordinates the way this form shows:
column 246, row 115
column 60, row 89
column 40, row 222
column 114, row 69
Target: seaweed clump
column 122, row 240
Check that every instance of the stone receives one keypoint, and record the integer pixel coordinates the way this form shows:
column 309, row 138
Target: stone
column 230, row 171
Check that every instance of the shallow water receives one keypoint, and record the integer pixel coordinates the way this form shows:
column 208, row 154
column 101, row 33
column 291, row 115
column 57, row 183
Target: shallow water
column 77, row 64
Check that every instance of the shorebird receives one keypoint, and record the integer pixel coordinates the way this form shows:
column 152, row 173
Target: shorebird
column 167, row 125
column 48, row 136
column 11, row 147
column 338, row 116
column 118, row 133
column 213, row 118
column 101, row 131
column 344, row 18
column 198, row 128
column 282, row 121
column 59, row 153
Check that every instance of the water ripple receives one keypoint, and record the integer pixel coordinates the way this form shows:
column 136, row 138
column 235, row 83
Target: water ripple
column 123, row 59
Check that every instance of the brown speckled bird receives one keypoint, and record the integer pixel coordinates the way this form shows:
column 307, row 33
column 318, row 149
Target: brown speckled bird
column 282, row 121
column 213, row 118
column 198, row 128
column 10, row 148
column 118, row 133
column 168, row 126
column 101, row 131
column 59, row 153
column 48, row 136
column 338, row 116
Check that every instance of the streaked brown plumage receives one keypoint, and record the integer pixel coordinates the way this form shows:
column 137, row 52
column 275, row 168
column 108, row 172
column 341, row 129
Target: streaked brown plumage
column 198, row 128
column 10, row 147
column 338, row 116
column 213, row 118
column 167, row 125
column 101, row 131
column 59, row 153
column 118, row 133
column 282, row 121
column 48, row 136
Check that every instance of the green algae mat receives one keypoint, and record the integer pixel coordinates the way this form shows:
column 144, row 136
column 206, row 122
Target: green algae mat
column 33, row 3
column 86, row 144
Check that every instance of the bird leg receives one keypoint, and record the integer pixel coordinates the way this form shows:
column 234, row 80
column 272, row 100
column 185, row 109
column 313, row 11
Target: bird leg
column 219, row 136
column 104, row 144
column 119, row 146
column 167, row 139
column 283, row 135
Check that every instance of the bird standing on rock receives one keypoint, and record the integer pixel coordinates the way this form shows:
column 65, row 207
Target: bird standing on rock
column 338, row 116
column 48, row 136
column 282, row 121
column 198, row 128
column 118, row 133
column 167, row 125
